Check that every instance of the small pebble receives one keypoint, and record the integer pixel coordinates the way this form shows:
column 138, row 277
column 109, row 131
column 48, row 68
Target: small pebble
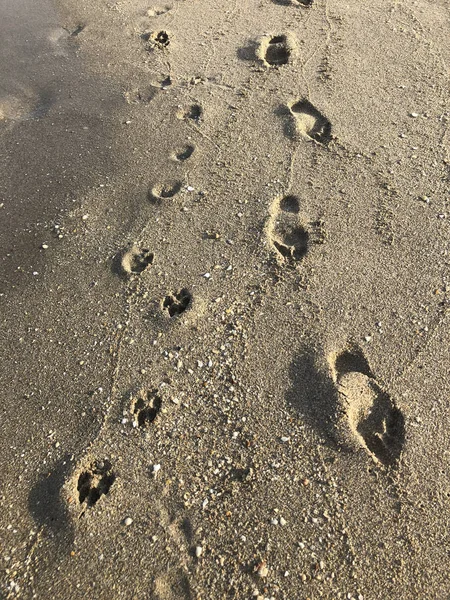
column 198, row 551
column 128, row 521
column 282, row 521
column 262, row 570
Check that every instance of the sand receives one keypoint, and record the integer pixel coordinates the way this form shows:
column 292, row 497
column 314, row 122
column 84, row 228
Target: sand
column 225, row 282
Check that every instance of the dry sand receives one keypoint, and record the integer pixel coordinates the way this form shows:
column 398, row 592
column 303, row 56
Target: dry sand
column 224, row 299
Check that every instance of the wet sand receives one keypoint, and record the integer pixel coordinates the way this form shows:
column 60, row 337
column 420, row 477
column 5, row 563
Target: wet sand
column 224, row 240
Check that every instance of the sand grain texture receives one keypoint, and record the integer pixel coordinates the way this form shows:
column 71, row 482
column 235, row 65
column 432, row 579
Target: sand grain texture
column 224, row 299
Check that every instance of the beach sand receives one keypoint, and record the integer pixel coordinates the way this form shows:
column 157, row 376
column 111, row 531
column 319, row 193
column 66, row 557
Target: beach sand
column 224, row 239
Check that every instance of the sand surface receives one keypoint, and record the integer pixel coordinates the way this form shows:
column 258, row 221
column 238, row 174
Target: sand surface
column 224, row 288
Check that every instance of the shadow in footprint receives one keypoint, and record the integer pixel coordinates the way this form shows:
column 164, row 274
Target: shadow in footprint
column 47, row 507
column 178, row 302
column 294, row 244
column 93, row 483
column 288, row 237
column 187, row 530
column 165, row 191
column 132, row 261
column 183, row 153
column 156, row 39
column 371, row 418
column 342, row 399
column 278, row 51
column 146, row 407
column 349, row 361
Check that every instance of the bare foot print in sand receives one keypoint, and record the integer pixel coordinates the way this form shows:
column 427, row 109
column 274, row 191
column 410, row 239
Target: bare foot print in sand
column 309, row 122
column 371, row 419
column 183, row 153
column 287, row 236
column 276, row 50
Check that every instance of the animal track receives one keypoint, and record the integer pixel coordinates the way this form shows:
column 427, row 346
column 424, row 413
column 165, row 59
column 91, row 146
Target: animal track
column 156, row 39
column 286, row 234
column 94, row 483
column 184, row 153
column 192, row 113
column 135, row 260
column 164, row 191
column 146, row 407
column 371, row 418
column 178, row 302
column 310, row 122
